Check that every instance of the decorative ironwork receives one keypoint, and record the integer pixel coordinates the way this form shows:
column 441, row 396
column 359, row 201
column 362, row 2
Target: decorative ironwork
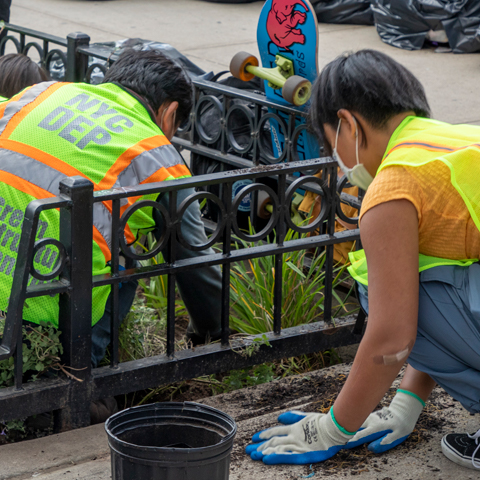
column 47, row 56
column 59, row 261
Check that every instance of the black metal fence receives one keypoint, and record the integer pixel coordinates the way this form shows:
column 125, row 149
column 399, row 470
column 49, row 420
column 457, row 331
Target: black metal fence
column 70, row 398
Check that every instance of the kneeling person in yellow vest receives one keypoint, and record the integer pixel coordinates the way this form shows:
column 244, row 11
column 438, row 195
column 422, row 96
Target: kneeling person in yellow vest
column 116, row 135
column 420, row 228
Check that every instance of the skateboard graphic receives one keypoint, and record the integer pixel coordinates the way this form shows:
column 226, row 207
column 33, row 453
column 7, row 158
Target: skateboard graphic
column 287, row 38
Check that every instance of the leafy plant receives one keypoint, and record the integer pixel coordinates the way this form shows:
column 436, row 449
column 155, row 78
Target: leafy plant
column 41, row 351
column 155, row 288
column 142, row 333
column 252, row 290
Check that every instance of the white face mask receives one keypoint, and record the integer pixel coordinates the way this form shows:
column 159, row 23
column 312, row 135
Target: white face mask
column 358, row 175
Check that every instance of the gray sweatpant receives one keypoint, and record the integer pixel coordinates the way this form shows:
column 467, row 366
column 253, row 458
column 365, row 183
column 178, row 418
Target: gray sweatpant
column 448, row 337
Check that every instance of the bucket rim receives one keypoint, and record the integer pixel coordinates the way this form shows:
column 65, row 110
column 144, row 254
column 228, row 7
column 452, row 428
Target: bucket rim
column 225, row 442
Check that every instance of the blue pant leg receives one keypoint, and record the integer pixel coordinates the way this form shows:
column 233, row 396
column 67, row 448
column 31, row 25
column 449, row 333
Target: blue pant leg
column 101, row 330
column 363, row 296
column 200, row 288
column 448, row 339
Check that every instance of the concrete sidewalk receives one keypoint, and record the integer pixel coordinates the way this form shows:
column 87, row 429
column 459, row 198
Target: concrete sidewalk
column 84, row 454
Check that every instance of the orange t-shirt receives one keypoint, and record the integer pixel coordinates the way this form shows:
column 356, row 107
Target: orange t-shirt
column 445, row 227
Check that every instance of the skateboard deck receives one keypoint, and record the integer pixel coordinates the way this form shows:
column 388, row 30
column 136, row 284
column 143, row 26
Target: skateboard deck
column 289, row 28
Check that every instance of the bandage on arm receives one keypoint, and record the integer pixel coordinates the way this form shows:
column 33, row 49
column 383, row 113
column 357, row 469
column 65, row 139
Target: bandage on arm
column 394, row 358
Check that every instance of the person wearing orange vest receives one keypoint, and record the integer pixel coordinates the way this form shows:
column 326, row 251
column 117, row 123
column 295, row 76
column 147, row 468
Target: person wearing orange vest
column 420, row 229
column 116, row 134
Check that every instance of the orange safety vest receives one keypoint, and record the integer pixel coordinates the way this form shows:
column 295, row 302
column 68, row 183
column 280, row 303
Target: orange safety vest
column 55, row 130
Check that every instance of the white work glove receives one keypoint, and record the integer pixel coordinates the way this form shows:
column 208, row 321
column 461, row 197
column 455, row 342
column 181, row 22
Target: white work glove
column 304, row 439
column 388, row 427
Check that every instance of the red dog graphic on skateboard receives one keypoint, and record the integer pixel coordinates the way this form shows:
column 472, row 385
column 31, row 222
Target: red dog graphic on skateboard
column 282, row 22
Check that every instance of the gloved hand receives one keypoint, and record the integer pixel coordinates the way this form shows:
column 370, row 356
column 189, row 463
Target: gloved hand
column 388, row 427
column 304, row 439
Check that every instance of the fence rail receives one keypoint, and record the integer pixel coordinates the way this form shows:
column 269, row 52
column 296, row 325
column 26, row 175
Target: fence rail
column 73, row 283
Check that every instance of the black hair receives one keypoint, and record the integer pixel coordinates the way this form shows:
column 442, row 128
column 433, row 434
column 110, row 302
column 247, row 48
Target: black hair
column 369, row 83
column 17, row 72
column 155, row 78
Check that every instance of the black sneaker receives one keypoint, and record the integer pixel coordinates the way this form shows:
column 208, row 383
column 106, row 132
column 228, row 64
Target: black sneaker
column 463, row 449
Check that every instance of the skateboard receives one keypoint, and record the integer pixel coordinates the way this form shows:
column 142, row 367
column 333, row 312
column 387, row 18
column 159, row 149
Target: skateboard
column 287, row 38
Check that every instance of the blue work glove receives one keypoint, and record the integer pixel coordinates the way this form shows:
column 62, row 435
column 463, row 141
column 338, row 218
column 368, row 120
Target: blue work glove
column 389, row 427
column 304, row 439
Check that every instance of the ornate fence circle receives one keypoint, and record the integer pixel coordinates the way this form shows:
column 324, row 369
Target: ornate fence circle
column 233, row 115
column 50, row 57
column 341, row 184
column 271, row 222
column 4, row 41
column 205, row 102
column 273, row 137
column 323, row 211
column 37, row 47
column 62, row 254
column 88, row 75
column 220, row 224
column 161, row 243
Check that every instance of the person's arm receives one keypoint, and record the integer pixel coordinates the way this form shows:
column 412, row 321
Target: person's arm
column 200, row 288
column 390, row 237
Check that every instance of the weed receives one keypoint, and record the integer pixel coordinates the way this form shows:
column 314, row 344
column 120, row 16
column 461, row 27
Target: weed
column 41, row 352
column 252, row 347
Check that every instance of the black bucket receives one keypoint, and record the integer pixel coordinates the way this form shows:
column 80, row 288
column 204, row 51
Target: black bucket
column 171, row 441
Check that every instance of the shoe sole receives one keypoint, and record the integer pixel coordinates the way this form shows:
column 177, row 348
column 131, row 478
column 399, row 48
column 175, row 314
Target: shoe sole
column 455, row 458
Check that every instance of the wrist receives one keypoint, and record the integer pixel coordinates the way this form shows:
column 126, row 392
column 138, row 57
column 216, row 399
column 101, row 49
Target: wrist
column 407, row 403
column 342, row 432
column 414, row 395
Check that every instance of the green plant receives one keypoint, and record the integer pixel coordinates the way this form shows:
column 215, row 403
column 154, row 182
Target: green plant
column 252, row 290
column 41, row 351
column 253, row 346
column 143, row 334
column 155, row 288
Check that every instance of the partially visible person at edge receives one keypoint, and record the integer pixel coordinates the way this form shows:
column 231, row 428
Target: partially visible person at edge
column 116, row 135
column 4, row 15
column 421, row 213
column 18, row 72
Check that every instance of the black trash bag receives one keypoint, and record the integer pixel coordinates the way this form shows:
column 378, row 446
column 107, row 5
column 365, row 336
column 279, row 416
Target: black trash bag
column 463, row 30
column 114, row 49
column 408, row 24
column 355, row 12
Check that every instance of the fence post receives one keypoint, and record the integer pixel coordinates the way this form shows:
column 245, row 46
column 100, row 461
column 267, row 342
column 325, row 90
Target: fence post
column 75, row 316
column 77, row 63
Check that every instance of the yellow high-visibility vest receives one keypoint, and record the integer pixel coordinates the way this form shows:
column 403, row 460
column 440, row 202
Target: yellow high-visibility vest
column 418, row 141
column 55, row 130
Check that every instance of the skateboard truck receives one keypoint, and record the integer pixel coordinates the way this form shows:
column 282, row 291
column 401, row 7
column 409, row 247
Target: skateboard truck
column 295, row 89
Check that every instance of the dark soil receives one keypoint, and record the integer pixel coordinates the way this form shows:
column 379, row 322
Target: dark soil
column 324, row 390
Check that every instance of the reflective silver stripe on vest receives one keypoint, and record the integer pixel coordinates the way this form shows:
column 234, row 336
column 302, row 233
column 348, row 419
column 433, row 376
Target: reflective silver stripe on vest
column 146, row 164
column 47, row 178
column 14, row 107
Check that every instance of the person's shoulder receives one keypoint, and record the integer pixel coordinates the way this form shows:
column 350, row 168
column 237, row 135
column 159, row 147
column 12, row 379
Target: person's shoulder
column 397, row 182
